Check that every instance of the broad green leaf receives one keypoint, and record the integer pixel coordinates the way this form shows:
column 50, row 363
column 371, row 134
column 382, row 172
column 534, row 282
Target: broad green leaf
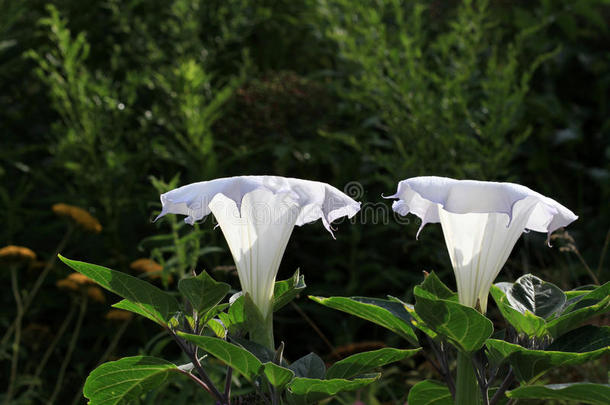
column 238, row 358
column 570, row 320
column 311, row 390
column 434, row 285
column 203, row 292
column 590, row 298
column 278, row 376
column 149, row 300
column 430, row 392
column 286, row 290
column 573, row 296
column 588, row 393
column 389, row 314
column 309, row 366
column 217, row 327
column 125, row 380
column 531, row 364
column 361, row 363
column 463, row 326
column 263, row 353
column 213, row 312
column 497, row 353
column 530, row 293
column 235, row 318
column 584, row 339
column 416, row 320
column 526, row 323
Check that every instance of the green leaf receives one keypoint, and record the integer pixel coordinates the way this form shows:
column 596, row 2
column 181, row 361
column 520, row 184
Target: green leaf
column 254, row 322
column 263, row 353
column 203, row 292
column 286, row 290
column 217, row 327
column 530, row 293
column 143, row 298
column 571, row 320
column 277, row 376
column 416, row 320
column 391, row 315
column 361, row 363
column 597, row 394
column 238, row 358
column 497, row 354
column 311, row 390
column 235, row 318
column 531, row 364
column 526, row 323
column 309, row 366
column 430, row 392
column 463, row 326
column 585, row 339
column 125, row 380
column 580, row 309
column 590, row 298
column 434, row 285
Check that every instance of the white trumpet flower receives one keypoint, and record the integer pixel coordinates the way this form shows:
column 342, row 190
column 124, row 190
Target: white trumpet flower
column 481, row 222
column 257, row 215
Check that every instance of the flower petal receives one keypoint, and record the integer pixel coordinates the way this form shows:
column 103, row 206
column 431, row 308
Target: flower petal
column 316, row 200
column 257, row 236
column 423, row 195
column 481, row 223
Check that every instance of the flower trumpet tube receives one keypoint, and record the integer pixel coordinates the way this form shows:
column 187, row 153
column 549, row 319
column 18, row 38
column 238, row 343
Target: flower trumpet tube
column 481, row 223
column 257, row 215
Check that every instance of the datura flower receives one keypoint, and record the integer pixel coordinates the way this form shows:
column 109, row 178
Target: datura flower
column 257, row 215
column 481, row 223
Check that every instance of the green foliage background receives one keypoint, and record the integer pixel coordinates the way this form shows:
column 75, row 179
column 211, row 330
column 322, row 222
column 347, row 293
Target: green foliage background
column 97, row 97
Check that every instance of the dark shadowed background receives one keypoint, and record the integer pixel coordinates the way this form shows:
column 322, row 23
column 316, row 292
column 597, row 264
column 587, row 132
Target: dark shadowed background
column 106, row 104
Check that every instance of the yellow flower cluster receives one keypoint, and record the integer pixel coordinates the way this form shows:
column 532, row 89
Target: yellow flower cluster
column 96, row 294
column 76, row 281
column 16, row 254
column 150, row 267
column 66, row 284
column 79, row 216
column 80, row 279
column 118, row 315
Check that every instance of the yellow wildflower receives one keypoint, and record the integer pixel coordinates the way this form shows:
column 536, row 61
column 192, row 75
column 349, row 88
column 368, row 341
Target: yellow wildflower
column 80, row 279
column 96, row 294
column 79, row 216
column 118, row 315
column 67, row 284
column 146, row 266
column 16, row 254
column 150, row 267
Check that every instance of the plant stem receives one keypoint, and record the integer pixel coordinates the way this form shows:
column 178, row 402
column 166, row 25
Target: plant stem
column 443, row 365
column 208, row 385
column 71, row 346
column 503, row 387
column 197, row 380
column 38, row 283
column 586, row 266
column 16, row 340
column 228, row 384
column 51, row 348
column 467, row 389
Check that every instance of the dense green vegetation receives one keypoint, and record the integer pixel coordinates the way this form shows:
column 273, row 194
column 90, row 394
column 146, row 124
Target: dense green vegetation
column 106, row 104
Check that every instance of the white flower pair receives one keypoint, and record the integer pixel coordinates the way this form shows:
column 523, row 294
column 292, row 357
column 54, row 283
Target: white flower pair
column 481, row 222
